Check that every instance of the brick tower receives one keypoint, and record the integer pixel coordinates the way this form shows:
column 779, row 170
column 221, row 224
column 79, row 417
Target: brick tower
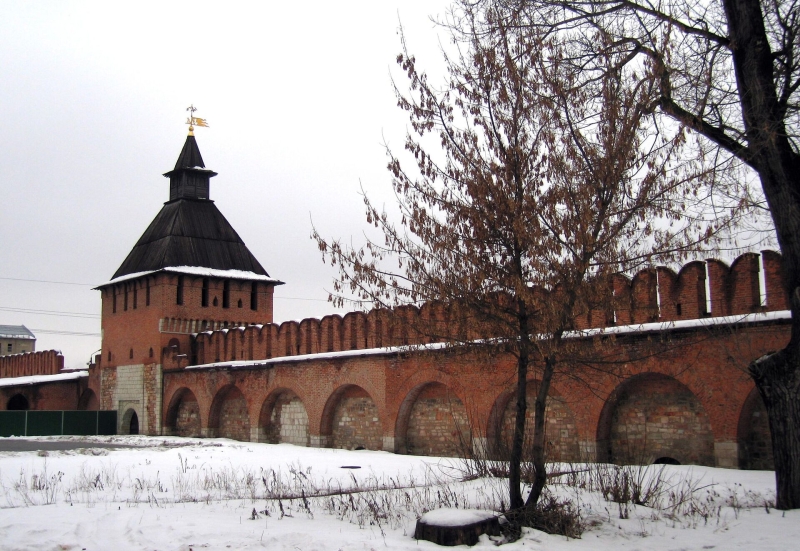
column 189, row 272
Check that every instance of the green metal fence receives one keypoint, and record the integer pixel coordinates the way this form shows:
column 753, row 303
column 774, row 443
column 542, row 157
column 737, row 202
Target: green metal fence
column 49, row 423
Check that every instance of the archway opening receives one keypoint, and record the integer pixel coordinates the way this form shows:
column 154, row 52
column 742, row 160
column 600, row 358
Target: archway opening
column 88, row 401
column 18, row 402
column 754, row 438
column 130, row 422
column 435, row 422
column 666, row 461
column 561, row 435
column 351, row 420
column 133, row 426
column 283, row 419
column 652, row 416
column 230, row 416
column 183, row 414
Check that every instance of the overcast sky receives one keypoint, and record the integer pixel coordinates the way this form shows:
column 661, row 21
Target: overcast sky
column 92, row 111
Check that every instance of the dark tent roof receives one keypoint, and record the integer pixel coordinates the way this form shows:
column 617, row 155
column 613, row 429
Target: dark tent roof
column 190, row 155
column 189, row 230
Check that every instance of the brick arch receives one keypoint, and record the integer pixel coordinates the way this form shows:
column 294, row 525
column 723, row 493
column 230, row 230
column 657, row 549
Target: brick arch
column 432, row 420
column 131, row 422
column 18, row 402
column 88, row 401
column 561, row 430
column 351, row 419
column 283, row 419
column 755, row 440
column 652, row 416
column 183, row 417
column 229, row 416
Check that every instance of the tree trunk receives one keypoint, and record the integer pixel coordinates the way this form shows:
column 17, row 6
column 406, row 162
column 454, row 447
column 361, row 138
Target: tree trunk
column 539, row 468
column 515, row 495
column 778, row 168
column 777, row 380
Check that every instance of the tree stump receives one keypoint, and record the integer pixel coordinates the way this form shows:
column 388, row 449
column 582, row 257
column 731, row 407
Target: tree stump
column 456, row 526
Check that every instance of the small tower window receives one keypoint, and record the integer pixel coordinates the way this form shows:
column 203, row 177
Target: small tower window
column 254, row 296
column 109, row 355
column 204, row 296
column 130, row 355
column 239, row 304
column 179, row 297
column 216, row 302
column 151, row 352
column 226, row 294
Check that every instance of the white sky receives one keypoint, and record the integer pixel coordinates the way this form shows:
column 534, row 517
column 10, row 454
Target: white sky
column 93, row 98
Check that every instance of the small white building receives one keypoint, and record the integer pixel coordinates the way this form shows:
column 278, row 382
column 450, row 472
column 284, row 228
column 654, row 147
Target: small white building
column 16, row 339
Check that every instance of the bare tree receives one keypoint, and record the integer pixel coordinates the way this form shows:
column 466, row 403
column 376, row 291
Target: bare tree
column 527, row 194
column 729, row 70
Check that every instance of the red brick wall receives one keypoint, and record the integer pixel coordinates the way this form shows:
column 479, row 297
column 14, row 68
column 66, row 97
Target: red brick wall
column 44, row 362
column 48, row 396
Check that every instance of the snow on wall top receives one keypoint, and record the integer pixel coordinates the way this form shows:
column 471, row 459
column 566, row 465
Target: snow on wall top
column 655, row 327
column 42, row 379
column 198, row 271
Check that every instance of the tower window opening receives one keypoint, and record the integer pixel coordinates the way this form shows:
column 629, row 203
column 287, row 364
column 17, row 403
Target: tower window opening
column 254, row 296
column 226, row 294
column 239, row 304
column 130, row 355
column 179, row 297
column 204, row 295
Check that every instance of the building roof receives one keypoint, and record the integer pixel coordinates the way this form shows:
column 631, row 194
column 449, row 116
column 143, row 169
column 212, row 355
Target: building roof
column 16, row 332
column 190, row 231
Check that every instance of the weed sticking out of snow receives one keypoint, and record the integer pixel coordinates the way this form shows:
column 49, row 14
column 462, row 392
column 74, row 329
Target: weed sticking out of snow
column 178, row 493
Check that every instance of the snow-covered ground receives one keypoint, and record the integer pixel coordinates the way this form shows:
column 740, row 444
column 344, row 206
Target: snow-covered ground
column 172, row 493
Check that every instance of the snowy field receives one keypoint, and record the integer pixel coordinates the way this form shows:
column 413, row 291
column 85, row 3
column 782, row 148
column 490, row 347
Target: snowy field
column 172, row 493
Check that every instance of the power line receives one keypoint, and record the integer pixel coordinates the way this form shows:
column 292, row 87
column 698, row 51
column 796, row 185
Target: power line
column 93, row 284
column 47, row 281
column 70, row 333
column 51, row 313
column 298, row 298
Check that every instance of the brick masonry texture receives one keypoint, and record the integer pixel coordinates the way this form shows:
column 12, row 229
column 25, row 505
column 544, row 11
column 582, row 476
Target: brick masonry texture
column 561, row 435
column 691, row 401
column 45, row 362
column 656, row 417
column 286, row 421
column 356, row 423
column 438, row 424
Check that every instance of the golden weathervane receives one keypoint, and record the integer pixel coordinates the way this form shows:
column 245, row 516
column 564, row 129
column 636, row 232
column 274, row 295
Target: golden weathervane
column 193, row 121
